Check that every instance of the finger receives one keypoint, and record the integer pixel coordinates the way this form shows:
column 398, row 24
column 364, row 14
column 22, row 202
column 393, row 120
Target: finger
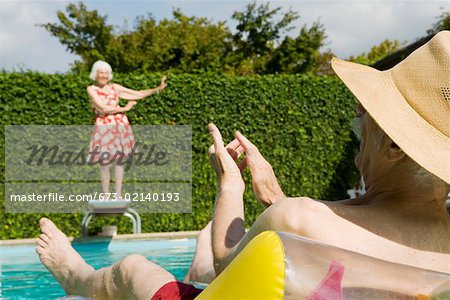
column 243, row 164
column 239, row 150
column 233, row 144
column 211, row 150
column 244, row 141
column 236, row 153
column 215, row 162
column 235, row 149
column 217, row 137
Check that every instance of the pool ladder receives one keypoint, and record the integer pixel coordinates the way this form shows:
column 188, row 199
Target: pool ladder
column 110, row 208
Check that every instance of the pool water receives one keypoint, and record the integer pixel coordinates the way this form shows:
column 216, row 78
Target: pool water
column 22, row 276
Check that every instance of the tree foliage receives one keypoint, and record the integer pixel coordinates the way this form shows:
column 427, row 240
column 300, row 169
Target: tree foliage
column 443, row 23
column 83, row 32
column 256, row 30
column 191, row 44
column 377, row 52
column 258, row 34
column 300, row 54
column 183, row 43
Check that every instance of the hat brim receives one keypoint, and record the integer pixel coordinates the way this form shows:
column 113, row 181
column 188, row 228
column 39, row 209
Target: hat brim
column 377, row 93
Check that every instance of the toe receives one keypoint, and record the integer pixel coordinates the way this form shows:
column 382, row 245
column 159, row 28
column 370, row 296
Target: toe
column 41, row 243
column 43, row 225
column 42, row 222
column 44, row 238
column 52, row 226
column 47, row 226
column 39, row 250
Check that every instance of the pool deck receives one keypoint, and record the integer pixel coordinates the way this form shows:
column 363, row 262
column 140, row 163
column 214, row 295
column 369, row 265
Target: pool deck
column 134, row 237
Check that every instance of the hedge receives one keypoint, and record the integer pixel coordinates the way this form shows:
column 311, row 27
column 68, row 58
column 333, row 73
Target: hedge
column 301, row 124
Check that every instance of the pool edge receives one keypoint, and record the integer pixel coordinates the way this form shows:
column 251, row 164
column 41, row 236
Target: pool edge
column 139, row 236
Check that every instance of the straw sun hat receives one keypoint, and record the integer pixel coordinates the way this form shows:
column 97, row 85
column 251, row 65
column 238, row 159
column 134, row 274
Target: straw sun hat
column 410, row 102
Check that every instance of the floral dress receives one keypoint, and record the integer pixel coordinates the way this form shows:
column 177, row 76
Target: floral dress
column 112, row 132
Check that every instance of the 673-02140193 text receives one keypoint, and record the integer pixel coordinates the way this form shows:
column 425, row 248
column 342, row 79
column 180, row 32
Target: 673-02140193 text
column 141, row 197
column 58, row 197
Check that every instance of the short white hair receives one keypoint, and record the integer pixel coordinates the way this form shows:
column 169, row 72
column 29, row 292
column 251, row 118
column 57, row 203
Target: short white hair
column 382, row 140
column 100, row 65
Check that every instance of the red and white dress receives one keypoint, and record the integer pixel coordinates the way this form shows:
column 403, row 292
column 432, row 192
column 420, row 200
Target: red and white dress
column 112, row 132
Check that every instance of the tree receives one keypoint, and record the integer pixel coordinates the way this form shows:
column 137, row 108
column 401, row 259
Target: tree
column 324, row 64
column 185, row 44
column 378, row 52
column 83, row 32
column 443, row 23
column 257, row 33
column 300, row 54
column 192, row 44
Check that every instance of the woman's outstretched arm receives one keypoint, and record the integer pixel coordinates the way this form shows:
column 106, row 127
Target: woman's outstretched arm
column 129, row 94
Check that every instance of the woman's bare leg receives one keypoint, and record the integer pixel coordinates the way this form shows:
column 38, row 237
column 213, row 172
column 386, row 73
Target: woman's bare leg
column 202, row 267
column 132, row 278
column 105, row 178
column 118, row 176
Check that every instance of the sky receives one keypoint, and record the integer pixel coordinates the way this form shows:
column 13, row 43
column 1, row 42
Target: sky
column 352, row 27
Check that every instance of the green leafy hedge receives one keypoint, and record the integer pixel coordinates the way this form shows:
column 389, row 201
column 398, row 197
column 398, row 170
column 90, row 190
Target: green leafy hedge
column 301, row 124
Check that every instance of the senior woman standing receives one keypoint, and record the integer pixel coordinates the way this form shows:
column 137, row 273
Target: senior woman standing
column 112, row 137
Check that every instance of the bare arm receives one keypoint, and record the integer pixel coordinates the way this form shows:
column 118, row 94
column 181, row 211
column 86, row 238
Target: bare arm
column 227, row 226
column 228, row 232
column 228, row 219
column 103, row 108
column 273, row 218
column 129, row 94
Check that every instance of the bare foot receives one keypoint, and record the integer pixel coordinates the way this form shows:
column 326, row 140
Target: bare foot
column 202, row 267
column 59, row 257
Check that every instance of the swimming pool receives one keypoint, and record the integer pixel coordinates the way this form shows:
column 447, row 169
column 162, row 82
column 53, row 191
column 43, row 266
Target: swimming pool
column 22, row 276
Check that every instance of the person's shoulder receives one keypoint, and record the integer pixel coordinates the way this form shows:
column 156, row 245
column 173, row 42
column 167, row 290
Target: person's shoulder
column 90, row 88
column 301, row 203
column 298, row 214
column 116, row 86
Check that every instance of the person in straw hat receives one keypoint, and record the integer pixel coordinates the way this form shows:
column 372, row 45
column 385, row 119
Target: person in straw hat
column 404, row 157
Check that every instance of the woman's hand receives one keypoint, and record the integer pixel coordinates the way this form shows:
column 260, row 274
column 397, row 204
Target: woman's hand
column 163, row 83
column 223, row 161
column 130, row 105
column 264, row 183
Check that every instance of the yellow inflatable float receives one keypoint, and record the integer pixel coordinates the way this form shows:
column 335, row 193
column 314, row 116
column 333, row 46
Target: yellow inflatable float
column 277, row 265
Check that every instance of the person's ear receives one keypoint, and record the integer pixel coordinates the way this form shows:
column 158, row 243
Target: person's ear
column 395, row 152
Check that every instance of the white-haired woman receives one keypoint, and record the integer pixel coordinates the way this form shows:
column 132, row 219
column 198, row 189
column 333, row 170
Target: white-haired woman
column 112, row 137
